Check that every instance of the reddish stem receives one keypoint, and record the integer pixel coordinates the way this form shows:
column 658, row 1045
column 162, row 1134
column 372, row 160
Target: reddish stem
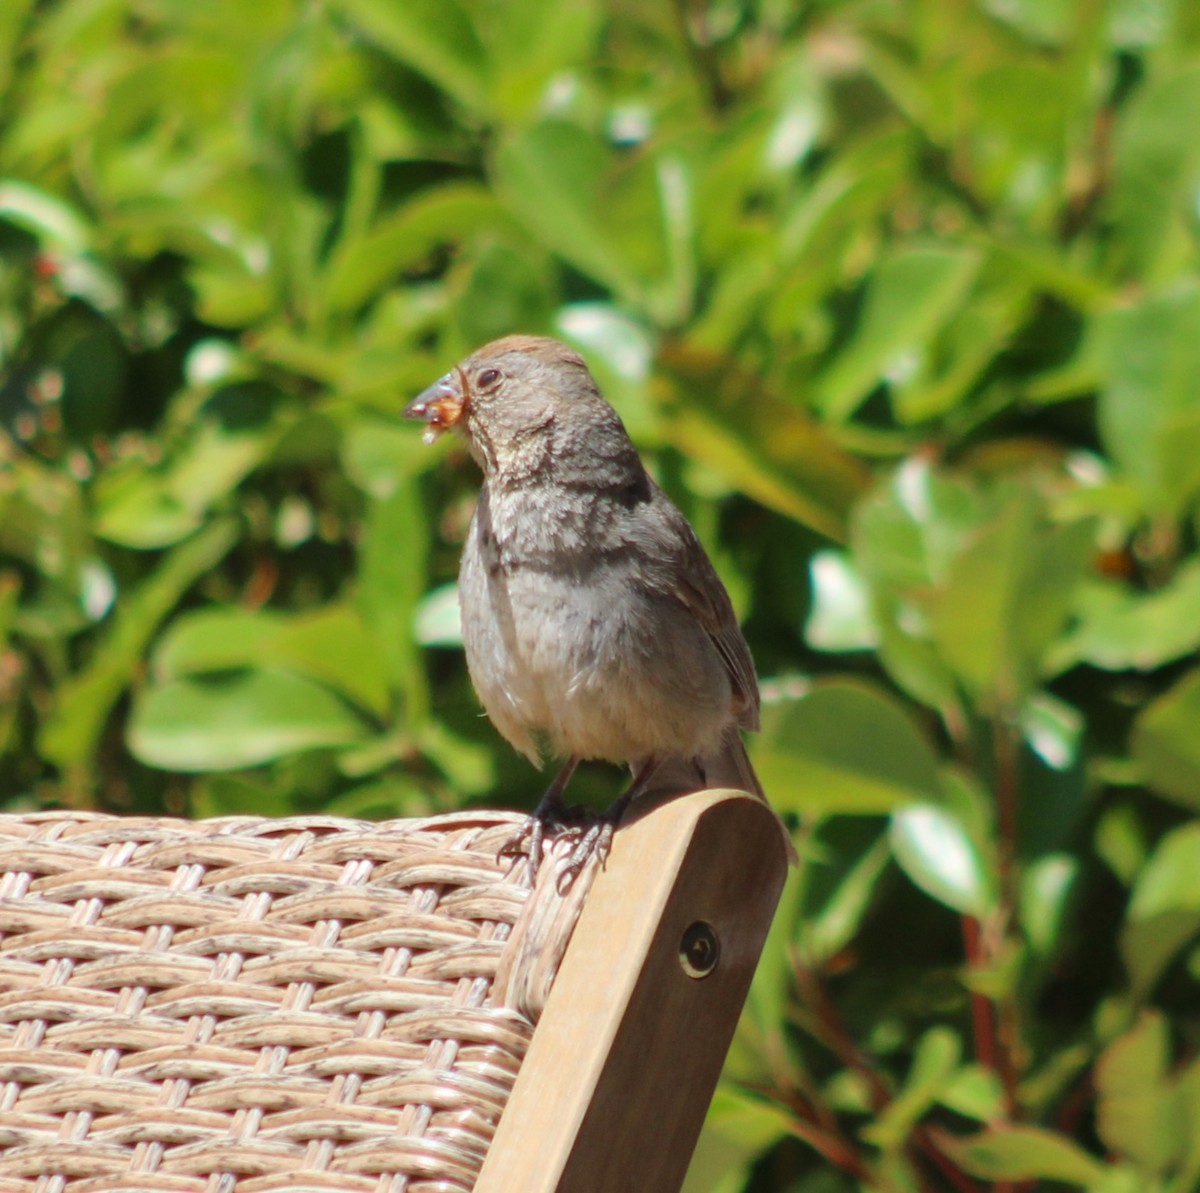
column 983, row 1014
column 839, row 1040
column 928, row 1144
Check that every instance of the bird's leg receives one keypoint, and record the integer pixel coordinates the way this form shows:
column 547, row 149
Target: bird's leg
column 596, row 840
column 551, row 813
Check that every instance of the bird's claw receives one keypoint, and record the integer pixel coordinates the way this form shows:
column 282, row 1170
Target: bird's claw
column 589, row 835
column 529, row 838
column 594, row 840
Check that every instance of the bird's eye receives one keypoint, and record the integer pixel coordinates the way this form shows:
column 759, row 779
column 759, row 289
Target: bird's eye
column 487, row 378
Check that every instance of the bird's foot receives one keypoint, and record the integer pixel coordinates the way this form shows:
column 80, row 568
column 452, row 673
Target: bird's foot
column 592, row 840
column 550, row 820
column 588, row 834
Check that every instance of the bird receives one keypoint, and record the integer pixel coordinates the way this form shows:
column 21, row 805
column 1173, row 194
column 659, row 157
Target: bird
column 593, row 621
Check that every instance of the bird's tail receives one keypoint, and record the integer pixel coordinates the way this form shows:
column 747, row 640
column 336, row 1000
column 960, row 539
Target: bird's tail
column 726, row 766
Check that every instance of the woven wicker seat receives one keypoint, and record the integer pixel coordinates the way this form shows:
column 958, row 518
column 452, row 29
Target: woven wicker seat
column 321, row 1004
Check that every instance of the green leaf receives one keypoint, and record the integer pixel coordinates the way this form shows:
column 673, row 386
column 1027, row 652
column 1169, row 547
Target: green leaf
column 43, row 520
column 467, row 764
column 1120, row 841
column 720, row 414
column 1045, row 22
column 236, row 720
column 1053, row 729
column 1165, row 743
column 811, row 754
column 1155, row 172
column 146, row 508
column 1119, row 628
column 364, row 267
column 841, row 617
column 240, row 794
column 1164, row 910
column 1006, row 596
column 393, row 566
column 531, row 43
column 1046, row 886
column 909, row 296
column 938, row 854
column 53, row 221
column 1025, row 1153
column 378, row 453
column 1149, row 354
column 507, row 290
column 905, row 536
column 13, row 17
column 1136, row 1112
column 909, row 531
column 71, row 731
column 438, row 618
column 435, row 37
column 1187, row 1094
column 330, row 645
column 974, row 1092
column 739, row 1128
column 553, row 176
column 829, row 930
column 934, row 1062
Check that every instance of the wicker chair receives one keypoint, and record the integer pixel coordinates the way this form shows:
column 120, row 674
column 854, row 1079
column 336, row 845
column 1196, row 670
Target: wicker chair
column 313, row 1004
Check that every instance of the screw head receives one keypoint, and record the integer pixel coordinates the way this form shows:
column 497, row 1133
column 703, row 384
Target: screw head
column 699, row 950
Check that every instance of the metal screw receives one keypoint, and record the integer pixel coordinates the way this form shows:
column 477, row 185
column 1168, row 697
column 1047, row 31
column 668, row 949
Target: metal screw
column 699, row 950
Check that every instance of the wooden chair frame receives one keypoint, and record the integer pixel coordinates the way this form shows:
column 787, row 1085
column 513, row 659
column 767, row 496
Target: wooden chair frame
column 588, row 1027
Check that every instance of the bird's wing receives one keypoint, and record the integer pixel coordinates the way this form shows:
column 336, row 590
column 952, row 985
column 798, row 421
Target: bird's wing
column 686, row 573
column 700, row 590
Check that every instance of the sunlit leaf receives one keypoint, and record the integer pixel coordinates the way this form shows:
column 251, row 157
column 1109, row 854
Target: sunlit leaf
column 936, row 852
column 1046, row 886
column 814, row 755
column 1005, row 598
column 438, row 618
column 841, row 616
column 330, row 645
column 51, row 219
column 237, row 719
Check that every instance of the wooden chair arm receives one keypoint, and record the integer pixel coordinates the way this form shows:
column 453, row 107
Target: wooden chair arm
column 614, row 1089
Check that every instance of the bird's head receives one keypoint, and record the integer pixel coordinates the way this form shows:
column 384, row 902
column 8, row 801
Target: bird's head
column 520, row 403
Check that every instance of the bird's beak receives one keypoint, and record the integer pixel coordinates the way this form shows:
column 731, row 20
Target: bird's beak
column 441, row 406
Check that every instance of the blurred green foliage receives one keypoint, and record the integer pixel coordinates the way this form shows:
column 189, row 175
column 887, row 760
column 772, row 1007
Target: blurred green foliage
column 901, row 300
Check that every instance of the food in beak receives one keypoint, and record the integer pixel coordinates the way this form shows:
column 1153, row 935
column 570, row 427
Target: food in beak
column 440, row 406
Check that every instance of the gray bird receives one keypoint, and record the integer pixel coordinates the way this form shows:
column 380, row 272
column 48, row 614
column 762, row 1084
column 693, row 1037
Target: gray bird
column 594, row 624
